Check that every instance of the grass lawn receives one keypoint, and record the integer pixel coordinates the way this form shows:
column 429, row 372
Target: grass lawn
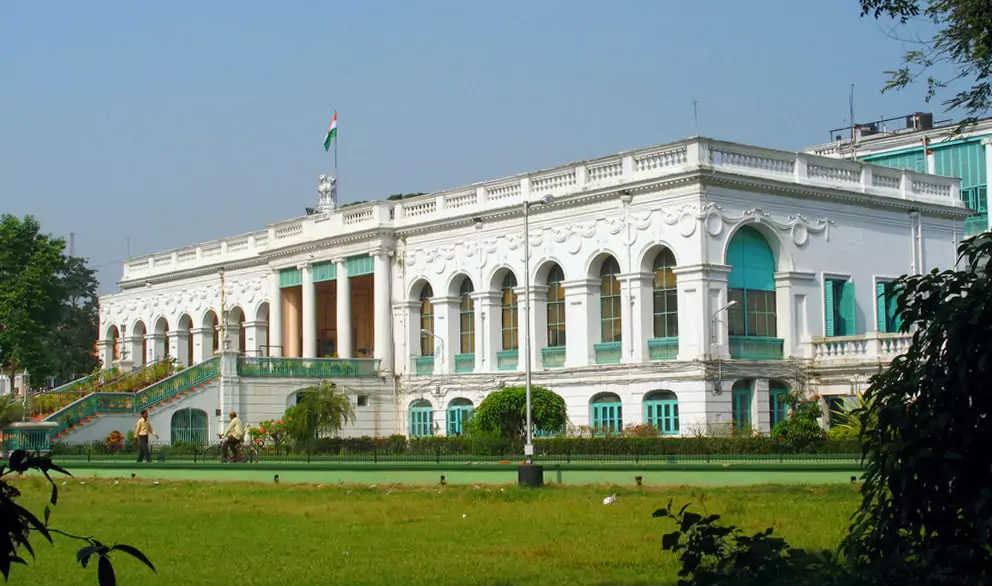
column 253, row 534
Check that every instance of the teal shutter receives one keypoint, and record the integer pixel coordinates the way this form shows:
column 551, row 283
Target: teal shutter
column 828, row 306
column 893, row 315
column 848, row 305
column 881, row 307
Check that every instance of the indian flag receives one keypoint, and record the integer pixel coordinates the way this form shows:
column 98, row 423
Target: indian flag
column 332, row 132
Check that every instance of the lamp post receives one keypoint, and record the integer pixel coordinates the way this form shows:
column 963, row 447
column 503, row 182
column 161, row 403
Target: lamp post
column 529, row 446
column 440, row 342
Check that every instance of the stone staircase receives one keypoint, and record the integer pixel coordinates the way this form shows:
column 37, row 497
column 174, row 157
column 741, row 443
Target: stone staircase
column 167, row 391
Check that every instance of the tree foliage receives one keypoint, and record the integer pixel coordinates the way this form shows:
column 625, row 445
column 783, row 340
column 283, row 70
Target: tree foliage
column 962, row 42
column 30, row 295
column 927, row 495
column 17, row 524
column 322, row 411
column 504, row 412
column 801, row 430
column 925, row 517
column 78, row 326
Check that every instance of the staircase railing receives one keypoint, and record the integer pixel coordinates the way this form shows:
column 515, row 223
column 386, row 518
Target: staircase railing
column 97, row 384
column 98, row 402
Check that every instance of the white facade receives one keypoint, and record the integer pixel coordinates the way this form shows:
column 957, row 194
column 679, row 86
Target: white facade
column 438, row 274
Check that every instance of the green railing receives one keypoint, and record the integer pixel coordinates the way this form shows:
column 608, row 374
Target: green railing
column 507, row 359
column 31, row 440
column 608, row 352
column 464, row 362
column 177, row 383
column 72, row 386
column 553, row 357
column 309, row 367
column 756, row 348
column 976, row 224
column 89, row 406
column 663, row 348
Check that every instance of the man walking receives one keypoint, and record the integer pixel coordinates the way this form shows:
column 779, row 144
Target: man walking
column 141, row 431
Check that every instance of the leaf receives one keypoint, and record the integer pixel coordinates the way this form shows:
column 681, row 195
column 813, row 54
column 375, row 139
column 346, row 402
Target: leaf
column 135, row 553
column 17, row 460
column 670, row 540
column 690, row 519
column 48, row 513
column 83, row 555
column 661, row 513
column 105, row 572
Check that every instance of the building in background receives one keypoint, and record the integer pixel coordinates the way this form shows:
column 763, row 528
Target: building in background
column 917, row 143
column 689, row 286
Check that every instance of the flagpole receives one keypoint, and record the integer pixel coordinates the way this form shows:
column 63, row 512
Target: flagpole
column 336, row 178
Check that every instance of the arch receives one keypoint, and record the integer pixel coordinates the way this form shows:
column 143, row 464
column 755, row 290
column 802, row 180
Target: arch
column 778, row 401
column 772, row 238
column 262, row 312
column 498, row 275
column 184, row 343
column 611, row 304
column 161, row 326
column 139, row 346
column 665, row 304
column 741, row 396
column 209, row 323
column 114, row 336
column 236, row 321
column 209, row 319
column 426, row 320
column 553, row 278
column 111, row 333
column 509, row 314
column 751, row 286
column 650, row 252
column 421, row 418
column 189, row 426
column 456, row 415
column 606, row 413
column 455, row 283
column 138, row 328
column 417, row 287
column 466, row 322
column 185, row 322
column 595, row 264
column 661, row 411
column 544, row 267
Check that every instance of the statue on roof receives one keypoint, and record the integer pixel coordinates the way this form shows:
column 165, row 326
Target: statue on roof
column 327, row 188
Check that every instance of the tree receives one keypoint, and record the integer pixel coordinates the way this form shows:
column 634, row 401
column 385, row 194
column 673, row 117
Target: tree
column 963, row 42
column 11, row 410
column 17, row 524
column 801, row 429
column 322, row 411
column 30, row 295
column 927, row 493
column 78, row 325
column 505, row 412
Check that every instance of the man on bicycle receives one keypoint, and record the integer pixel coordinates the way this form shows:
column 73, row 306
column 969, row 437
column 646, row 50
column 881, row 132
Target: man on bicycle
column 231, row 438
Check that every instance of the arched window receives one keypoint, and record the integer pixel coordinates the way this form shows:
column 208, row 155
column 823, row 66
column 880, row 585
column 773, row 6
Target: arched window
column 421, row 419
column 661, row 411
column 751, row 284
column 466, row 312
column 666, row 298
column 426, row 321
column 459, row 411
column 189, row 426
column 510, row 324
column 607, row 413
column 778, row 404
column 610, row 320
column 556, row 308
column 741, row 407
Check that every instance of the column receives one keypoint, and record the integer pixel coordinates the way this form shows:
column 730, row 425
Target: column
column 383, row 324
column 761, row 406
column 582, row 317
column 344, row 309
column 154, row 348
column 628, row 342
column 447, row 327
column 275, row 317
column 203, row 343
column 641, row 287
column 987, row 143
column 410, row 316
column 309, row 312
column 538, row 325
column 702, row 289
column 487, row 330
column 789, row 287
column 136, row 349
column 106, row 353
column 256, row 335
column 179, row 346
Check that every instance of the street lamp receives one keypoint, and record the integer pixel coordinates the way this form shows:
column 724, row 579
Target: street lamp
column 715, row 313
column 440, row 342
column 545, row 200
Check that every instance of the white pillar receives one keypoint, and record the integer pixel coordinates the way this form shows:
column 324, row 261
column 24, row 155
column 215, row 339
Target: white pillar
column 383, row 322
column 106, row 353
column 179, row 346
column 410, row 310
column 203, row 344
column 627, row 340
column 538, row 325
column 256, row 335
column 702, row 290
column 344, row 310
column 446, row 326
column 582, row 321
column 275, row 316
column 136, row 349
column 642, row 315
column 154, row 348
column 309, row 312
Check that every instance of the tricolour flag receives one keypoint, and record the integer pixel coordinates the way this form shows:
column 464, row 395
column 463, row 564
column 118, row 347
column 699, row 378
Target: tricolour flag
column 332, row 132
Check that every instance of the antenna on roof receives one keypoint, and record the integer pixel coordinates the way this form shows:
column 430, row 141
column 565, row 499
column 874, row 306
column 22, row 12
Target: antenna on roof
column 72, row 244
column 854, row 136
column 127, row 243
column 695, row 114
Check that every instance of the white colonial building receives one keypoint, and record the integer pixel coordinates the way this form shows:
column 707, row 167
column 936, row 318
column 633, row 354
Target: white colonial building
column 687, row 285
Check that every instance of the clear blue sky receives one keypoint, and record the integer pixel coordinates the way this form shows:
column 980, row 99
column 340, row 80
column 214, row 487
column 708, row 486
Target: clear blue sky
column 177, row 122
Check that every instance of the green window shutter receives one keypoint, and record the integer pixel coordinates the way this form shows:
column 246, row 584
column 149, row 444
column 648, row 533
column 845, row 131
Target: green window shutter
column 828, row 306
column 848, row 308
column 893, row 317
column 881, row 308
